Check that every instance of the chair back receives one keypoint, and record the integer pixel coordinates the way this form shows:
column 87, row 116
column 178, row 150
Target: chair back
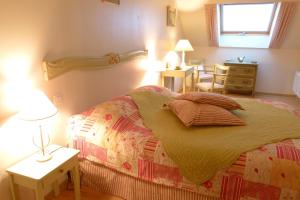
column 198, row 66
column 196, row 63
column 220, row 75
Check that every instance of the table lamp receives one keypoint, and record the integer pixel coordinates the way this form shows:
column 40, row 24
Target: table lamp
column 171, row 59
column 38, row 109
column 183, row 45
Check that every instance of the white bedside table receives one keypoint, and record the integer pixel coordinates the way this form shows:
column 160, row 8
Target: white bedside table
column 36, row 175
column 181, row 73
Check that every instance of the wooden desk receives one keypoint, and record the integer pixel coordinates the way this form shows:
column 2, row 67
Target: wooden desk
column 241, row 77
column 182, row 73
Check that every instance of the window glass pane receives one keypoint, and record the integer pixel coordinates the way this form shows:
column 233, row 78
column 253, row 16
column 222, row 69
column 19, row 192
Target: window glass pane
column 247, row 17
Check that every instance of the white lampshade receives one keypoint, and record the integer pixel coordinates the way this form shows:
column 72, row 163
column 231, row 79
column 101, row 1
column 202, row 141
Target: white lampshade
column 171, row 58
column 37, row 107
column 183, row 45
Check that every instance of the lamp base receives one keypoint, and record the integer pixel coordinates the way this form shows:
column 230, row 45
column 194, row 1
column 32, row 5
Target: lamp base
column 43, row 158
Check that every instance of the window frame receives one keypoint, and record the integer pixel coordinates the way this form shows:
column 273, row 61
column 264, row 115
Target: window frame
column 248, row 32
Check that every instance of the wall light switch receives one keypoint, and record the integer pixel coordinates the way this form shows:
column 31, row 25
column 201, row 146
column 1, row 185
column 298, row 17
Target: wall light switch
column 58, row 100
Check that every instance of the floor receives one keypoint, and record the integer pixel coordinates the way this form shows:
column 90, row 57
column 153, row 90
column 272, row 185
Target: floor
column 87, row 194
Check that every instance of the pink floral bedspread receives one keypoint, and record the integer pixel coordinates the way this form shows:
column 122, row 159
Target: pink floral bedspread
column 113, row 135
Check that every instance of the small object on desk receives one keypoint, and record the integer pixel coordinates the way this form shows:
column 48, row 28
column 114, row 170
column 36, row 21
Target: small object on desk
column 241, row 59
column 177, row 68
column 37, row 175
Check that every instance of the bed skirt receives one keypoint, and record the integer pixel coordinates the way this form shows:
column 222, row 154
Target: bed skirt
column 103, row 179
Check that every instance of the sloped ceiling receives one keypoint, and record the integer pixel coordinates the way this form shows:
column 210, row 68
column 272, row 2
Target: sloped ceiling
column 192, row 18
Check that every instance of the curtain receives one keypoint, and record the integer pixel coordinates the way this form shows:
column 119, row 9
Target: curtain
column 285, row 16
column 212, row 24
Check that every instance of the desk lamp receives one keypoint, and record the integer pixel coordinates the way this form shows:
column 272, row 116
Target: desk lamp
column 183, row 45
column 38, row 109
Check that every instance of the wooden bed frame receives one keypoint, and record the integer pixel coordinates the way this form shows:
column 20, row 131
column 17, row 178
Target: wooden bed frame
column 53, row 69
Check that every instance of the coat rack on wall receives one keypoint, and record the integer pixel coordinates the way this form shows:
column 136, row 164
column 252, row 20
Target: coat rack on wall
column 112, row 1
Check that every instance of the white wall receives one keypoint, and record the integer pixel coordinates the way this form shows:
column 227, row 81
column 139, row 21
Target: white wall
column 32, row 30
column 94, row 29
column 29, row 29
column 277, row 66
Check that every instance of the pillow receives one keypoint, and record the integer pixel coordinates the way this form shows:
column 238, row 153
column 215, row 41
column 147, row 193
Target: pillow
column 211, row 98
column 191, row 113
column 157, row 89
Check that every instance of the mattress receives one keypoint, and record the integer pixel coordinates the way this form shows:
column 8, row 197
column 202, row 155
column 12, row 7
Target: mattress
column 112, row 134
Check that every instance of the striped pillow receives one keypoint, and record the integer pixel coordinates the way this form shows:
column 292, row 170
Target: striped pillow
column 156, row 89
column 191, row 113
column 212, row 99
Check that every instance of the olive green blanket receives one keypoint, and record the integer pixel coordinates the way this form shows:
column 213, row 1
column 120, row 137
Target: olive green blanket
column 200, row 152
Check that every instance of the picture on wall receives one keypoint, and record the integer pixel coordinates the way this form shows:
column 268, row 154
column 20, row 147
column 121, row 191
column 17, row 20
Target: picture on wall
column 112, row 1
column 171, row 16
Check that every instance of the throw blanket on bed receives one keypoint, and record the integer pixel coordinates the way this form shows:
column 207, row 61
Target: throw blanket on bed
column 201, row 151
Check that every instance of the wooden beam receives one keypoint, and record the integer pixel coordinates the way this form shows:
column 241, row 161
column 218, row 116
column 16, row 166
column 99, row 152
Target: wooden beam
column 53, row 69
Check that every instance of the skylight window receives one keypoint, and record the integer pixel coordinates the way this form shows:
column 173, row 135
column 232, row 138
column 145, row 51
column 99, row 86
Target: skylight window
column 247, row 18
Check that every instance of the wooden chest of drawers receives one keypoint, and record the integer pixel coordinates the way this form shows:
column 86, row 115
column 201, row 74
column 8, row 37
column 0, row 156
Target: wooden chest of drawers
column 241, row 77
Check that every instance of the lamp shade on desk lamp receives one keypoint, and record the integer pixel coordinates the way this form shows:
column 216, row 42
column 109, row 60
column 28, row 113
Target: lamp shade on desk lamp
column 38, row 108
column 183, row 46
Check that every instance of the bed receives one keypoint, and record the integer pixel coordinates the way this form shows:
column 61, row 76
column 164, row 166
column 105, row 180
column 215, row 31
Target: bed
column 120, row 156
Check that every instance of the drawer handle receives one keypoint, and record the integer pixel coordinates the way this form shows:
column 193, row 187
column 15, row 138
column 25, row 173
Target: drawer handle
column 61, row 171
